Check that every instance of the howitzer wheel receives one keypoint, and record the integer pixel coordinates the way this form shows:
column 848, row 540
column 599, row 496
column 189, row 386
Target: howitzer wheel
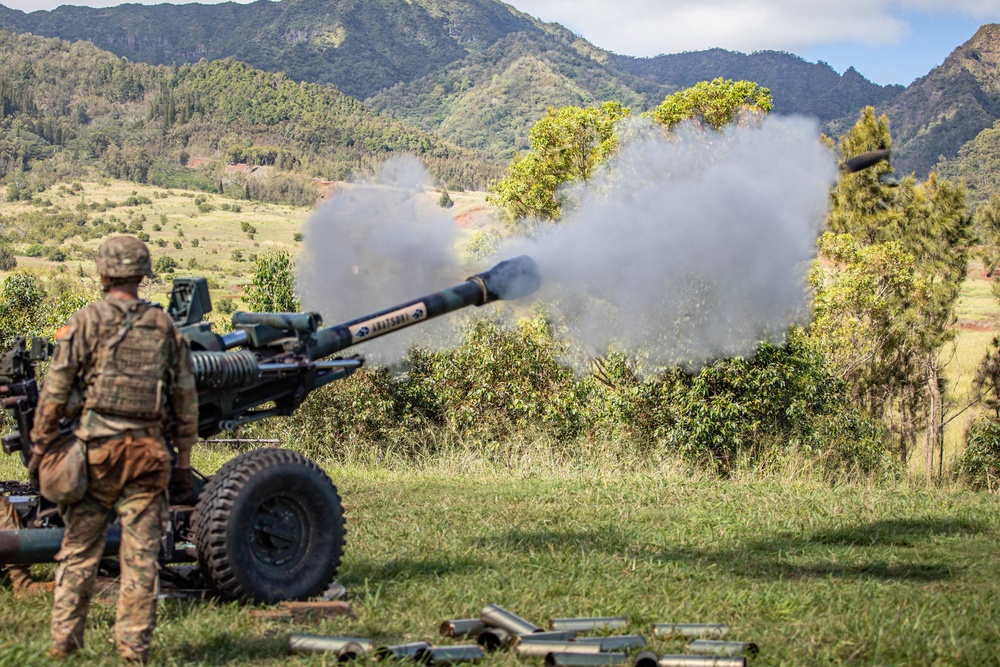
column 269, row 526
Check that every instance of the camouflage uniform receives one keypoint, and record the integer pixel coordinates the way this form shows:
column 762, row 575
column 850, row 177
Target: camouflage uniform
column 128, row 461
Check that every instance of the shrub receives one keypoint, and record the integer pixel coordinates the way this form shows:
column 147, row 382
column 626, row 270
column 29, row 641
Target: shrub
column 979, row 465
column 7, row 260
column 143, row 236
column 164, row 264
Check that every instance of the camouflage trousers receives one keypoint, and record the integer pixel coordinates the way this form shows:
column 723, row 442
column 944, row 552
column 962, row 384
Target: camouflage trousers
column 129, row 474
column 20, row 575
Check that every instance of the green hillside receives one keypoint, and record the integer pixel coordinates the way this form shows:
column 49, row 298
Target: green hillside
column 76, row 105
column 950, row 106
column 491, row 99
column 799, row 87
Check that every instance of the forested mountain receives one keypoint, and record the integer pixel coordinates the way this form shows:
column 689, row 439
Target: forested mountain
column 798, row 86
column 940, row 112
column 477, row 71
column 72, row 102
column 490, row 99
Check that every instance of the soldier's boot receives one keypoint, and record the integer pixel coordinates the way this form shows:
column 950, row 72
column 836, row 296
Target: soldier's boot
column 23, row 585
column 61, row 652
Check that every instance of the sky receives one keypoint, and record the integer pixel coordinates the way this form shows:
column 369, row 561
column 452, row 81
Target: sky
column 888, row 41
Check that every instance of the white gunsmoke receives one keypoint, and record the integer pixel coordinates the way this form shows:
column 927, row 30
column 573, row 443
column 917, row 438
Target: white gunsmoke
column 690, row 248
column 376, row 244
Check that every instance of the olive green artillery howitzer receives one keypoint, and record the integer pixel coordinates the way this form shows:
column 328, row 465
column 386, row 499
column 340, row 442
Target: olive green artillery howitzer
column 269, row 525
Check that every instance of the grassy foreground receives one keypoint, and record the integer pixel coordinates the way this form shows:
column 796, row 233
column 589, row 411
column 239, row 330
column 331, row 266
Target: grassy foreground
column 814, row 575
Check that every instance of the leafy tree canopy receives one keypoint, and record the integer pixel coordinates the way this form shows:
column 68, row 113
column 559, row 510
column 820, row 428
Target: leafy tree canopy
column 714, row 103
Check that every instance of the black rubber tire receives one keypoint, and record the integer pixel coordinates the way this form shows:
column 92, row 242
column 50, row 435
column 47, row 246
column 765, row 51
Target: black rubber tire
column 269, row 526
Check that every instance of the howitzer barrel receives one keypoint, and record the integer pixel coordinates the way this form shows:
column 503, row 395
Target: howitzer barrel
column 40, row 545
column 510, row 279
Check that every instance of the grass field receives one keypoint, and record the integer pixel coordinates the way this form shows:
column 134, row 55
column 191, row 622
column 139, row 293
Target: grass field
column 814, row 575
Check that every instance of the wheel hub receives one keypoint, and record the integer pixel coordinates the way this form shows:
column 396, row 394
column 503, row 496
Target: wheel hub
column 277, row 532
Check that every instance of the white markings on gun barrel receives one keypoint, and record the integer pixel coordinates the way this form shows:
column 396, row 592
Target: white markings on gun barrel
column 397, row 319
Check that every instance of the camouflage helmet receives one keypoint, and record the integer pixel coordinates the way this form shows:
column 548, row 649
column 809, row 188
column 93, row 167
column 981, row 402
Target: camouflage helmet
column 123, row 257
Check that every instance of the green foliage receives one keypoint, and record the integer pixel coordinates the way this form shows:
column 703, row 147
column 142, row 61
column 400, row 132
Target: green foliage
column 445, row 200
column 164, row 264
column 714, row 104
column 566, row 145
column 273, row 286
column 7, row 260
column 30, row 306
column 979, row 465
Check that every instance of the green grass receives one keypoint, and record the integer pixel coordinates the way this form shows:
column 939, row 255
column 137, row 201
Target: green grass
column 814, row 575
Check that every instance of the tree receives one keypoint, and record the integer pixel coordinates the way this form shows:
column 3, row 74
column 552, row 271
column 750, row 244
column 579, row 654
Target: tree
column 566, row 145
column 894, row 365
column 445, row 200
column 273, row 287
column 714, row 104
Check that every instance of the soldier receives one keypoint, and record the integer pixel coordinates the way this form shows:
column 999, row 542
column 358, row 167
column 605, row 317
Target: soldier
column 20, row 577
column 133, row 368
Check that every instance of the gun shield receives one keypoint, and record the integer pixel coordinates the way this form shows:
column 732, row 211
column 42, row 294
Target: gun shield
column 701, row 661
column 462, row 627
column 400, row 651
column 492, row 639
column 585, row 624
column 584, row 659
column 699, row 630
column 346, row 648
column 526, row 647
column 495, row 616
column 717, row 647
column 615, row 642
column 449, row 655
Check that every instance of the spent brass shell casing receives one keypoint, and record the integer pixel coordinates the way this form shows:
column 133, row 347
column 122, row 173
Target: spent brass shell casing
column 615, row 642
column 525, row 647
column 492, row 639
column 400, row 651
column 300, row 643
column 584, row 659
column 694, row 630
column 584, row 624
column 718, row 647
column 549, row 636
column 645, row 659
column 449, row 655
column 496, row 616
column 701, row 661
column 462, row 627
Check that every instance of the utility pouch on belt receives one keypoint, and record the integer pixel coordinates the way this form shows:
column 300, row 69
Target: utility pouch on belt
column 130, row 365
column 62, row 473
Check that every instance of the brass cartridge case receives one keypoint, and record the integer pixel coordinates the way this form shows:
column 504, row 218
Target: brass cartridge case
column 462, row 627
column 584, row 659
column 551, row 635
column 529, row 647
column 701, row 661
column 496, row 616
column 492, row 639
column 346, row 648
column 449, row 655
column 584, row 624
column 400, row 651
column 718, row 647
column 694, row 630
column 615, row 642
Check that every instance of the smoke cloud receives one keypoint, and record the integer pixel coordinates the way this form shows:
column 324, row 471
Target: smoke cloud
column 375, row 244
column 680, row 250
column 687, row 249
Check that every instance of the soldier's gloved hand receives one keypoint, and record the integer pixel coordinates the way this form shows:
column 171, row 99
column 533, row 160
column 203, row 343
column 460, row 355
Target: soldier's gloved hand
column 182, row 489
column 33, row 463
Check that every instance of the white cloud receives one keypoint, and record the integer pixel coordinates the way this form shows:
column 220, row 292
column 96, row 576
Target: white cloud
column 650, row 27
